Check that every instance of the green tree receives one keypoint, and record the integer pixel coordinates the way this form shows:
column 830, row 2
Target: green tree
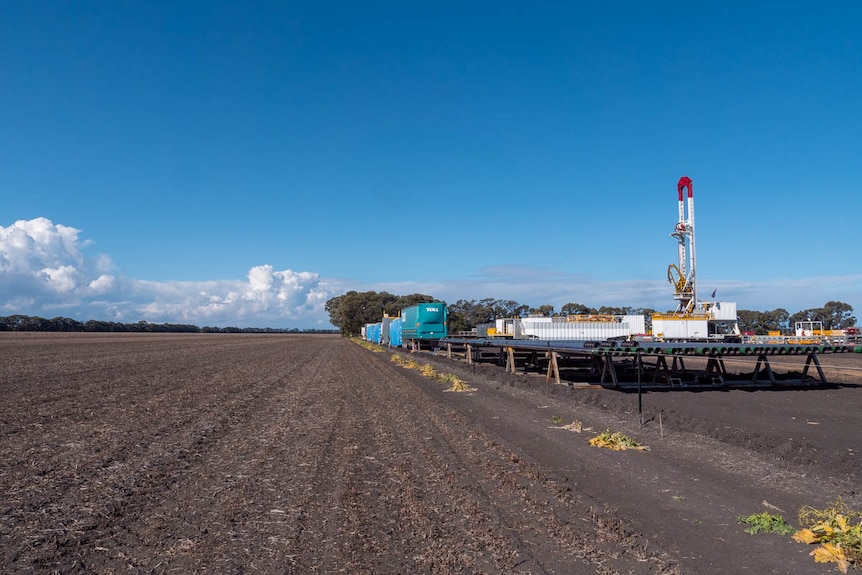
column 608, row 310
column 467, row 314
column 838, row 315
column 576, row 309
column 542, row 310
column 762, row 322
column 749, row 321
column 509, row 308
column 833, row 315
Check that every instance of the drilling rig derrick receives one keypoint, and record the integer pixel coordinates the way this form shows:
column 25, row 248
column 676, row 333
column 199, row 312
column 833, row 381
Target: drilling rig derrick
column 683, row 275
column 692, row 320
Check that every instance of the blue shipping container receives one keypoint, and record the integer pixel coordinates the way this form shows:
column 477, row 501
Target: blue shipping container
column 395, row 332
column 374, row 332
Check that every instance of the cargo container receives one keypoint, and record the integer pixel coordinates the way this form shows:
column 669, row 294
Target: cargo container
column 395, row 332
column 424, row 321
column 676, row 328
column 616, row 327
column 384, row 329
column 390, row 333
column 588, row 327
column 373, row 332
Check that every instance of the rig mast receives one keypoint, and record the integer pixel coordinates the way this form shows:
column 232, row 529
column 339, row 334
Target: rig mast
column 682, row 276
column 693, row 320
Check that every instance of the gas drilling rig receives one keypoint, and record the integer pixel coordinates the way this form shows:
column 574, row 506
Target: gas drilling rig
column 692, row 320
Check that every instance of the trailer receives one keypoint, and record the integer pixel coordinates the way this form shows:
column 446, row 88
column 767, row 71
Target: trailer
column 424, row 321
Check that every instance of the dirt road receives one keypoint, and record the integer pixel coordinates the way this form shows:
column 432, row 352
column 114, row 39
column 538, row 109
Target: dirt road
column 305, row 454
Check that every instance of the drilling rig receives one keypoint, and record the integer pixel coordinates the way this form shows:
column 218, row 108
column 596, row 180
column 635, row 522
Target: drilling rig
column 692, row 320
column 683, row 276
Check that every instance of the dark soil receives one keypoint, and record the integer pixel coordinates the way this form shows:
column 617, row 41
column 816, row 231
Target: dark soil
column 217, row 453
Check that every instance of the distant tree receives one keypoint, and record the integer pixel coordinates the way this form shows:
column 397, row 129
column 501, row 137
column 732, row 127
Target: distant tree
column 833, row 315
column 839, row 315
column 467, row 314
column 749, row 321
column 810, row 314
column 777, row 319
column 542, row 310
column 509, row 308
column 576, row 309
column 350, row 311
column 63, row 324
column 762, row 322
column 608, row 310
column 456, row 322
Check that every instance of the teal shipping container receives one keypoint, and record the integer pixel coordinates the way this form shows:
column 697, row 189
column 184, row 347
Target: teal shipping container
column 424, row 321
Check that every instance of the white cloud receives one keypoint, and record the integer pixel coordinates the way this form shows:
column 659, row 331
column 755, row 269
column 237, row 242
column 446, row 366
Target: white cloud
column 268, row 298
column 103, row 284
column 44, row 268
column 43, row 262
column 63, row 279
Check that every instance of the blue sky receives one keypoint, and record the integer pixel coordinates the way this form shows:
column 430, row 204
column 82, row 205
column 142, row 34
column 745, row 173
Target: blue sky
column 239, row 163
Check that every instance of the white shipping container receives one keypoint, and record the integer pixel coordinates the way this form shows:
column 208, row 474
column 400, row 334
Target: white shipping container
column 637, row 324
column 724, row 310
column 680, row 328
column 544, row 328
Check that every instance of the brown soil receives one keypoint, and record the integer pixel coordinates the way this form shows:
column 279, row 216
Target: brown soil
column 309, row 454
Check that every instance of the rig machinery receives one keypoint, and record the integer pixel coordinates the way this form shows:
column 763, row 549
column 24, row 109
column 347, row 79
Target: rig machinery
column 692, row 319
column 684, row 276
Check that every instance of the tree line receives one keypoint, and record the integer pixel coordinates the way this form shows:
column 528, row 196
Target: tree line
column 350, row 311
column 65, row 324
column 465, row 315
column 833, row 315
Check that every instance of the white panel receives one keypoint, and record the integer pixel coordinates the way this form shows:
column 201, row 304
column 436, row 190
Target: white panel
column 724, row 310
column 637, row 323
column 680, row 328
column 575, row 330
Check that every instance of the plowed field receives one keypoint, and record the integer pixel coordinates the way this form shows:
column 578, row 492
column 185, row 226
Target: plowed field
column 149, row 453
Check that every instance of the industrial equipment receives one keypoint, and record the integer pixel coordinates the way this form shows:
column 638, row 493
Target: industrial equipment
column 692, row 320
column 684, row 275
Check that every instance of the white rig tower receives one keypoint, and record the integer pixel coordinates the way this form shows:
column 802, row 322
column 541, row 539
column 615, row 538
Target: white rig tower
column 683, row 276
column 692, row 320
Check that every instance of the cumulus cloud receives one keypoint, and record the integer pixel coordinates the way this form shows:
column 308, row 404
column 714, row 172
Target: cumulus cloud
column 268, row 297
column 44, row 267
column 103, row 284
column 44, row 262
